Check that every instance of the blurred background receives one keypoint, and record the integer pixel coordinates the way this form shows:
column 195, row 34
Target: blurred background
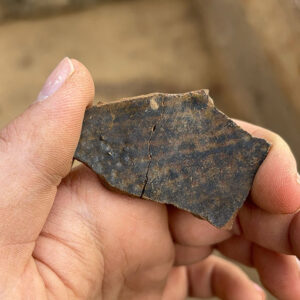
column 247, row 53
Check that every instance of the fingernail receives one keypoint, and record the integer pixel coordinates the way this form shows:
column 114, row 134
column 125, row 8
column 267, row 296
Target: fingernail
column 298, row 178
column 56, row 79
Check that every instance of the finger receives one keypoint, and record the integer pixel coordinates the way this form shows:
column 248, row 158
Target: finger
column 279, row 273
column 294, row 231
column 217, row 277
column 177, row 285
column 275, row 232
column 237, row 248
column 185, row 255
column 36, row 151
column 275, row 187
column 188, row 230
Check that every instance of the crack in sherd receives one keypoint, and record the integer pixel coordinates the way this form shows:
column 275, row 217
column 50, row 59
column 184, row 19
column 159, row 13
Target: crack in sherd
column 149, row 151
column 150, row 160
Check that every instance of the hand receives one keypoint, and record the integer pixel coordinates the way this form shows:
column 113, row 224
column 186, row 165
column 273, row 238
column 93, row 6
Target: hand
column 63, row 235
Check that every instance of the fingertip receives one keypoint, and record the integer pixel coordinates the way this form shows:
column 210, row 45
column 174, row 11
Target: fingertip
column 68, row 103
column 84, row 81
column 275, row 187
column 56, row 120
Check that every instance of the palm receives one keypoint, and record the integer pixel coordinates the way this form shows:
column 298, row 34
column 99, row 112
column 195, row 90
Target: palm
column 70, row 256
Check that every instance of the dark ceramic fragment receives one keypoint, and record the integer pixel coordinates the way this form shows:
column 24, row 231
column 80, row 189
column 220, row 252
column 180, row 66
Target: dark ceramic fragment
column 175, row 149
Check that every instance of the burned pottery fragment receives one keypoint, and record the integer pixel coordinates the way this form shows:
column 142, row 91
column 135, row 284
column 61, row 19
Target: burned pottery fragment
column 176, row 149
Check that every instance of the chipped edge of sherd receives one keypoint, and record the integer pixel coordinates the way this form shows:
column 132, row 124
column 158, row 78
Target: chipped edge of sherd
column 202, row 92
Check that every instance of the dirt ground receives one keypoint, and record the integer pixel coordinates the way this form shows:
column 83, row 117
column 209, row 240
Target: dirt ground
column 131, row 48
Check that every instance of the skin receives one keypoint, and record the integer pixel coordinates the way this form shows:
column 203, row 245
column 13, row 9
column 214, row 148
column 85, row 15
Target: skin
column 63, row 235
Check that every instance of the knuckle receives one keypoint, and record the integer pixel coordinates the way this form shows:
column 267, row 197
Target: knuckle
column 11, row 136
column 44, row 170
column 27, row 146
column 15, row 136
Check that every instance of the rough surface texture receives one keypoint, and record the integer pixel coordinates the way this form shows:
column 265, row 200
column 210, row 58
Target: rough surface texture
column 176, row 149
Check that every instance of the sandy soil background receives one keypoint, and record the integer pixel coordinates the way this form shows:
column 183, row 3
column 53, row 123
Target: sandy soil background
column 136, row 47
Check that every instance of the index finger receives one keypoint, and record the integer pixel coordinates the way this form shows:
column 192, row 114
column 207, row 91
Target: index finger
column 276, row 186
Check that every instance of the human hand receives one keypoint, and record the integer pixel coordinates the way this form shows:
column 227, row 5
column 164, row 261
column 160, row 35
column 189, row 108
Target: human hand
column 63, row 235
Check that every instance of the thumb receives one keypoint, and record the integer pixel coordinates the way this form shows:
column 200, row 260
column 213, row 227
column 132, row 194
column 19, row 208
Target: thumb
column 36, row 152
